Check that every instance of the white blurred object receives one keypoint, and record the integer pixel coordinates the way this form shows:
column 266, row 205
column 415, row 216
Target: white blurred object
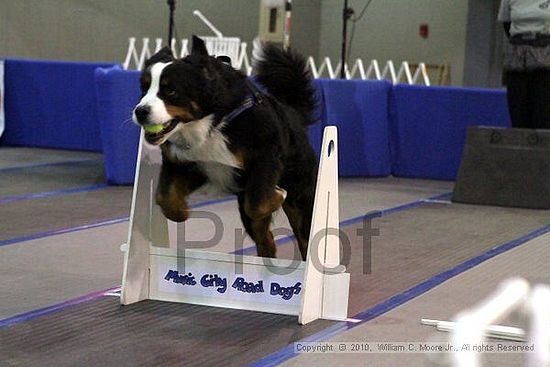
column 514, row 294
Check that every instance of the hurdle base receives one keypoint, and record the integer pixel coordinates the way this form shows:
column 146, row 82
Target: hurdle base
column 274, row 275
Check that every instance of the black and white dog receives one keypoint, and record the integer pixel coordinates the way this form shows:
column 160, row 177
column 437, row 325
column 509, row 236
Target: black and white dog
column 217, row 129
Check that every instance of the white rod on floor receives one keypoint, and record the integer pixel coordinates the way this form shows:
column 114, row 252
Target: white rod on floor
column 492, row 331
column 472, row 323
column 507, row 333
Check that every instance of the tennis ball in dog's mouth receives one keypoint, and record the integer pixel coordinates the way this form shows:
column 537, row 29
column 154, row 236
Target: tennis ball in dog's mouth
column 153, row 129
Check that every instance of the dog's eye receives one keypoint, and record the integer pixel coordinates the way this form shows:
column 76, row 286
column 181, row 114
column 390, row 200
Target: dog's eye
column 170, row 92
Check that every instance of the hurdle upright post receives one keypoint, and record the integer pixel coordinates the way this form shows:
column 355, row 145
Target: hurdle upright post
column 326, row 285
column 147, row 224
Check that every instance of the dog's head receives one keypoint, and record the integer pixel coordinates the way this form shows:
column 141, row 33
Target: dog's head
column 177, row 91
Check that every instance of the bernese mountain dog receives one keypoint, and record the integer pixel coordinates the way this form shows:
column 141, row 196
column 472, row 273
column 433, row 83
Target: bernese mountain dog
column 217, row 128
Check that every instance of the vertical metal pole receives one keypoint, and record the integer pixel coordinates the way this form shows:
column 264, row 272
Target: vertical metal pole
column 344, row 40
column 172, row 7
column 288, row 24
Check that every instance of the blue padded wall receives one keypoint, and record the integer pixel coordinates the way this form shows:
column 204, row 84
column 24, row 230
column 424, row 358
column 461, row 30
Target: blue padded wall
column 51, row 104
column 359, row 109
column 428, row 126
column 55, row 104
column 315, row 131
column 117, row 93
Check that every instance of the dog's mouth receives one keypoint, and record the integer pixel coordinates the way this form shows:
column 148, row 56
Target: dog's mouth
column 154, row 134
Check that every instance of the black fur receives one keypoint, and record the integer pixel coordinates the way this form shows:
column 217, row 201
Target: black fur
column 164, row 55
column 285, row 75
column 270, row 138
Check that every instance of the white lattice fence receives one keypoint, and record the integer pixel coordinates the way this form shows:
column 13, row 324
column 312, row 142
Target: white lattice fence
column 135, row 59
column 357, row 71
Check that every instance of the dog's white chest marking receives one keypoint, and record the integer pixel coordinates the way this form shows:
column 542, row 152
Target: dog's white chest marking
column 197, row 141
column 221, row 178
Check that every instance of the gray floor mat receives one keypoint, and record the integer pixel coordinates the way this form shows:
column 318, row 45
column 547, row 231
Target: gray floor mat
column 22, row 156
column 413, row 245
column 102, row 333
column 41, row 179
column 28, row 217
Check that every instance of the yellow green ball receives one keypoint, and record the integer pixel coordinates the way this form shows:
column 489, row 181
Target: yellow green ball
column 153, row 129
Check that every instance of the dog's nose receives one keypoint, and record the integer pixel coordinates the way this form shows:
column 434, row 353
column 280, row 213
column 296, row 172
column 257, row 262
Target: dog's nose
column 142, row 113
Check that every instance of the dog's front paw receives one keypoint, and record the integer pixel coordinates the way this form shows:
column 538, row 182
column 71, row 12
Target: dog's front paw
column 173, row 207
column 176, row 215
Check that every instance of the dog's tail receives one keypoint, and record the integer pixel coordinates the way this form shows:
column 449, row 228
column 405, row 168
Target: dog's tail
column 283, row 73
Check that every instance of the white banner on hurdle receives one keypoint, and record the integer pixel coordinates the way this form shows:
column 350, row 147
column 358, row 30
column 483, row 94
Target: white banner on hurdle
column 156, row 268
column 2, row 92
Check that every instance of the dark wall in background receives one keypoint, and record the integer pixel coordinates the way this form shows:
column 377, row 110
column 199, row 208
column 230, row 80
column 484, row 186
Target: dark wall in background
column 389, row 30
column 463, row 33
column 484, row 45
column 98, row 30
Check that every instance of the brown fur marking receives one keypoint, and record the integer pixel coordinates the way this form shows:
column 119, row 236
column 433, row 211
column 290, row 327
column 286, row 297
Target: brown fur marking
column 239, row 157
column 179, row 112
column 173, row 189
column 265, row 208
column 262, row 236
column 296, row 220
column 173, row 203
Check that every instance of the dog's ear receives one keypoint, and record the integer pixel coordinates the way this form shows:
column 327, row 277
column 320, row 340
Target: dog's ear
column 163, row 55
column 224, row 59
column 198, row 46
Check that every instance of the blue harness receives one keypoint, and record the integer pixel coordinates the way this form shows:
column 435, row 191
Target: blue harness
column 253, row 99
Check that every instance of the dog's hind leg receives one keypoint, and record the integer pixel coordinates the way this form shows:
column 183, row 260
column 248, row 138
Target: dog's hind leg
column 299, row 216
column 176, row 182
column 262, row 196
column 258, row 230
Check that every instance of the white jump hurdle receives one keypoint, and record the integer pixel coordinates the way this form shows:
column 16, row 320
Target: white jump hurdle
column 473, row 325
column 155, row 268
